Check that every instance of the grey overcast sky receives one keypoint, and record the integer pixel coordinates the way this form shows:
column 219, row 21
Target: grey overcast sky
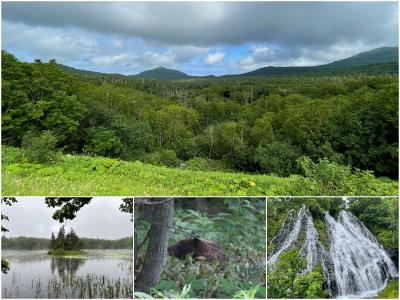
column 195, row 37
column 100, row 218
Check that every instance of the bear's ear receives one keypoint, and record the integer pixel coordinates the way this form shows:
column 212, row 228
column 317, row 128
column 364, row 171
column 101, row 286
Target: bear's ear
column 196, row 240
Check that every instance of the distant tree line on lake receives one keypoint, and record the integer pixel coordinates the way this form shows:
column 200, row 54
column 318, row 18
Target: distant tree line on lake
column 33, row 243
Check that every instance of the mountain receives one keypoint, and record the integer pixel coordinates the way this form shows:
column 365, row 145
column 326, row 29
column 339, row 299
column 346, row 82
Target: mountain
column 162, row 73
column 376, row 61
column 382, row 55
column 85, row 73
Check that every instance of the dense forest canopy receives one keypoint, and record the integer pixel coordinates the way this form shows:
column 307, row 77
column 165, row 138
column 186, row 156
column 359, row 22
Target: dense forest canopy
column 255, row 124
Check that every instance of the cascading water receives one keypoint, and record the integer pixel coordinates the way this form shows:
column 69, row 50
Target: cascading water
column 355, row 265
column 361, row 266
column 289, row 234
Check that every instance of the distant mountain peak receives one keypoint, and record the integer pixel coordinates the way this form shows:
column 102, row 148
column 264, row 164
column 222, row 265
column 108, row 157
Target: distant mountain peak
column 163, row 73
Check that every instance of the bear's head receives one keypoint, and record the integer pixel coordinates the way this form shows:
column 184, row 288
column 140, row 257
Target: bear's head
column 183, row 247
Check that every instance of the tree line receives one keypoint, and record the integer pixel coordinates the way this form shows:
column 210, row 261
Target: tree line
column 33, row 243
column 262, row 125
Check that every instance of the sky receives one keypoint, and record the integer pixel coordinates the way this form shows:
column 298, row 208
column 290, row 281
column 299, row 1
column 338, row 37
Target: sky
column 199, row 38
column 101, row 218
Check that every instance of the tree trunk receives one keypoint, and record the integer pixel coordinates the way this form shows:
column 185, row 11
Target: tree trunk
column 135, row 216
column 156, row 253
column 201, row 205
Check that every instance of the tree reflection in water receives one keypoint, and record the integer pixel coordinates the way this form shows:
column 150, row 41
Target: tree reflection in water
column 66, row 267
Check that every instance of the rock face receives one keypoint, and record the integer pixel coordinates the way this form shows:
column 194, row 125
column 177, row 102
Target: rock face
column 355, row 265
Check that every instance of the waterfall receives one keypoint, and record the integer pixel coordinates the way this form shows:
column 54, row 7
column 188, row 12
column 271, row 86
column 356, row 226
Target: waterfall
column 361, row 266
column 289, row 234
column 355, row 265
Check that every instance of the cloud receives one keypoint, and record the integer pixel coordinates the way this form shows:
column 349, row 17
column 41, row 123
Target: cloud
column 128, row 37
column 289, row 23
column 214, row 58
column 247, row 63
column 83, row 48
column 108, row 60
column 46, row 42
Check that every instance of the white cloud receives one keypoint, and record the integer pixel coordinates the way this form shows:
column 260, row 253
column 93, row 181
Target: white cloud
column 109, row 60
column 247, row 63
column 214, row 58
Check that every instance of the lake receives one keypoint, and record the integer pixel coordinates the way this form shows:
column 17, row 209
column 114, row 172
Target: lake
column 99, row 274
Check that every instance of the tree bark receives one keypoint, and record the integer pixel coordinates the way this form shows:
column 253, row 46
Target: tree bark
column 201, row 204
column 156, row 253
column 135, row 216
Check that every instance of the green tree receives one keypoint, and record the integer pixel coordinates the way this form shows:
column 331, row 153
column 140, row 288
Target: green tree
column 277, row 157
column 5, row 265
column 39, row 147
column 104, row 142
column 68, row 206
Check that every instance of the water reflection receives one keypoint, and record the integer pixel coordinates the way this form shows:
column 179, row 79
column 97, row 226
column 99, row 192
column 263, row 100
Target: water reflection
column 66, row 267
column 100, row 274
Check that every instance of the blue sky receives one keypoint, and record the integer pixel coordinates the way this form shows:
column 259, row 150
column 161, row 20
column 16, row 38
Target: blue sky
column 199, row 38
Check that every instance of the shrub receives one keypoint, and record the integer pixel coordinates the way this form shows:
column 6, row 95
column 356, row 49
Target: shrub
column 166, row 158
column 39, row 147
column 277, row 157
column 103, row 142
column 206, row 164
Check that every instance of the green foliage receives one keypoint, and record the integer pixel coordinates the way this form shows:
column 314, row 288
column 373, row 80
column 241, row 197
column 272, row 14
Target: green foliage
column 127, row 206
column 253, row 124
column 30, row 243
column 310, row 285
column 391, row 291
column 163, row 158
column 66, row 252
column 5, row 266
column 247, row 294
column 68, row 206
column 284, row 281
column 381, row 216
column 39, row 148
column 278, row 158
column 69, row 241
column 206, row 164
column 78, row 175
column 238, row 226
column 103, row 142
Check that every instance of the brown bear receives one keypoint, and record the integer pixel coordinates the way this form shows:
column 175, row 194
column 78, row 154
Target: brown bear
column 200, row 249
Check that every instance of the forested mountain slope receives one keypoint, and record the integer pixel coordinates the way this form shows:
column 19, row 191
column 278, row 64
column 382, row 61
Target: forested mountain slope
column 374, row 62
column 162, row 73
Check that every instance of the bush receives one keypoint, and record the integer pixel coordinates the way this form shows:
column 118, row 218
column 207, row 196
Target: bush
column 206, row 164
column 166, row 158
column 103, row 142
column 277, row 157
column 39, row 147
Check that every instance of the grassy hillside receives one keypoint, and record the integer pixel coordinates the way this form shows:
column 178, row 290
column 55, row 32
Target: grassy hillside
column 83, row 175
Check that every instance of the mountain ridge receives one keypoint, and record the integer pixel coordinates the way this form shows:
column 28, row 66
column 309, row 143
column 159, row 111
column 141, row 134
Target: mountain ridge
column 375, row 61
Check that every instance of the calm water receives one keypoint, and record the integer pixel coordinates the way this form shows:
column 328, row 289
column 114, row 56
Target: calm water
column 100, row 274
